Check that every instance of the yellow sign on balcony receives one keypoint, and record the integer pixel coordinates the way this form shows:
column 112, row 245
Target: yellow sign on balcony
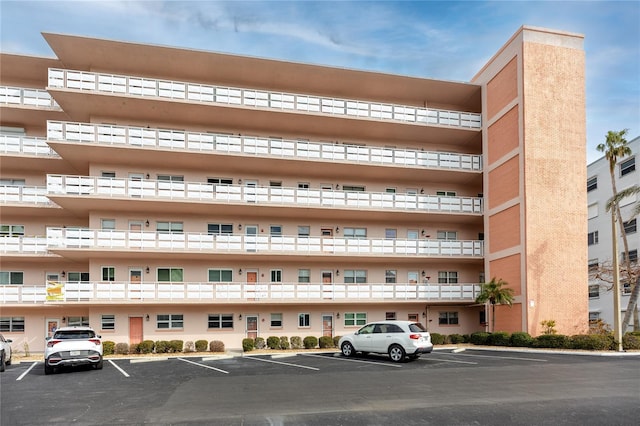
column 55, row 290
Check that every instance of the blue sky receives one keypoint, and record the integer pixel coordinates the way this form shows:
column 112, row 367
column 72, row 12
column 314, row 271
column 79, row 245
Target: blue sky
column 443, row 40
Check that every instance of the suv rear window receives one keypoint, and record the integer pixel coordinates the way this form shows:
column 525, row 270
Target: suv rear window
column 416, row 326
column 74, row 334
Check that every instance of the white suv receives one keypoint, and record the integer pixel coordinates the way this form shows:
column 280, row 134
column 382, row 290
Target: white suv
column 5, row 352
column 71, row 346
column 399, row 339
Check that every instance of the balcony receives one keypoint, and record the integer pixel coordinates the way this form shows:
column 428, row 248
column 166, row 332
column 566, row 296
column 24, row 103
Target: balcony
column 207, row 292
column 28, row 106
column 19, row 96
column 24, row 195
column 131, row 244
column 121, row 85
column 23, row 245
column 104, row 191
column 12, row 144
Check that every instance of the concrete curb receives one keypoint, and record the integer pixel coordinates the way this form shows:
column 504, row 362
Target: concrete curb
column 457, row 349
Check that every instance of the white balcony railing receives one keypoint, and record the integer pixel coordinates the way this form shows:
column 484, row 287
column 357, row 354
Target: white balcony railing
column 25, row 145
column 225, row 143
column 23, row 245
column 225, row 292
column 28, row 195
column 26, row 97
column 104, row 187
column 193, row 92
column 74, row 238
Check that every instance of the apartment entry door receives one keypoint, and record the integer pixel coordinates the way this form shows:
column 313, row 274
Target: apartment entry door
column 327, row 287
column 52, row 325
column 135, row 330
column 252, row 326
column 327, row 325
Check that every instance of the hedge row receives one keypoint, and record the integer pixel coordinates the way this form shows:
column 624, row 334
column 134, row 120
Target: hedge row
column 161, row 347
column 296, row 342
column 630, row 340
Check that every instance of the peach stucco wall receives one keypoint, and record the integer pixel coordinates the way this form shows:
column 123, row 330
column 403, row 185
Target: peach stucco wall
column 505, row 130
column 505, row 229
column 509, row 267
column 504, row 183
column 503, row 88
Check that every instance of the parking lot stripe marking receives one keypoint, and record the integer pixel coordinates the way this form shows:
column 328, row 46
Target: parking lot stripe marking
column 26, row 372
column 283, row 363
column 124, row 373
column 356, row 360
column 203, row 365
column 450, row 360
column 504, row 357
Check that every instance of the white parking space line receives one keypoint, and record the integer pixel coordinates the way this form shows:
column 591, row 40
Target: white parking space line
column 355, row 360
column 503, row 357
column 124, row 373
column 203, row 365
column 26, row 372
column 283, row 363
column 448, row 360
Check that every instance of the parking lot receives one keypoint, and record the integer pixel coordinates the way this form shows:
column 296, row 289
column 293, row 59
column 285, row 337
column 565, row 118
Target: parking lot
column 445, row 387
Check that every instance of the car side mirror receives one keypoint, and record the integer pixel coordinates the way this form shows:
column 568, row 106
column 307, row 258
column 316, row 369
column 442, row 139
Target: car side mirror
column 356, row 333
column 98, row 336
column 47, row 338
column 9, row 340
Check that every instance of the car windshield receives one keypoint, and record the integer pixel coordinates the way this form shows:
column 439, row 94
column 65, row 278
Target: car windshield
column 74, row 334
column 417, row 327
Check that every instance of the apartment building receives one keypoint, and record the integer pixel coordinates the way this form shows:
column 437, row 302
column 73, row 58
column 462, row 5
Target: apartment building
column 599, row 239
column 163, row 193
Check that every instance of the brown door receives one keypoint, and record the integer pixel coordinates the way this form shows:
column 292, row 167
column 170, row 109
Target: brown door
column 252, row 326
column 252, row 277
column 135, row 330
column 52, row 326
column 327, row 325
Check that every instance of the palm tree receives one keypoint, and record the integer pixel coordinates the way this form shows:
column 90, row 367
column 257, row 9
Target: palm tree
column 615, row 147
column 496, row 293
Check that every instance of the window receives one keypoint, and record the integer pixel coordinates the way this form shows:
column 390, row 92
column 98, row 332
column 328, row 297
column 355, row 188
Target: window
column 355, row 276
column 77, row 276
column 275, row 184
column 276, row 275
column 220, row 275
column 12, row 324
column 355, row 233
column 304, row 276
column 11, row 230
column 390, row 234
column 592, row 238
column 170, row 227
column 107, row 224
column 303, row 185
column 170, row 274
column 447, row 277
column 592, row 183
column 220, row 181
column 355, row 318
column 412, row 234
column 633, row 256
column 219, row 228
column 171, row 178
column 353, row 188
column 78, row 321
column 390, row 316
column 166, row 321
column 275, row 230
column 626, row 287
column 390, row 190
column 304, row 320
column 630, row 227
column 304, row 231
column 446, row 193
column 326, row 232
column 594, row 291
column 447, row 235
column 108, row 322
column 594, row 316
column 592, row 211
column 627, row 166
column 12, row 182
column 276, row 320
column 108, row 174
column 390, row 276
column 593, row 265
column 448, row 318
column 108, row 273
column 11, row 277
column 219, row 321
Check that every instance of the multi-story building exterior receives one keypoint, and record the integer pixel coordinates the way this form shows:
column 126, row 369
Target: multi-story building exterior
column 600, row 242
column 161, row 193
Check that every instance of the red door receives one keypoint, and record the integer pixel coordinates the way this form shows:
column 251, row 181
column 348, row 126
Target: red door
column 135, row 330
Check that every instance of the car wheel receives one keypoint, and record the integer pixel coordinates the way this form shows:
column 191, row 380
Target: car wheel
column 47, row 368
column 348, row 349
column 396, row 353
column 98, row 366
column 2, row 364
column 8, row 361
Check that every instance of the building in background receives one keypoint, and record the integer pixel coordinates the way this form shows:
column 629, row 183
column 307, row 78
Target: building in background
column 599, row 192
column 159, row 193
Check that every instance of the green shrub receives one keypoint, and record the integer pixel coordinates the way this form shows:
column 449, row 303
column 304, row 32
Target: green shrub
column 108, row 347
column 437, row 338
column 592, row 342
column 201, row 345
column 284, row 342
column 479, row 338
column 247, row 344
column 520, row 339
column 145, row 347
column 467, row 338
column 176, row 346
column 456, row 338
column 259, row 343
column 296, row 342
column 336, row 340
column 631, row 340
column 325, row 342
column 189, row 347
column 310, row 342
column 121, row 348
column 273, row 342
column 499, row 338
column 551, row 341
column 218, row 346
column 161, row 346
